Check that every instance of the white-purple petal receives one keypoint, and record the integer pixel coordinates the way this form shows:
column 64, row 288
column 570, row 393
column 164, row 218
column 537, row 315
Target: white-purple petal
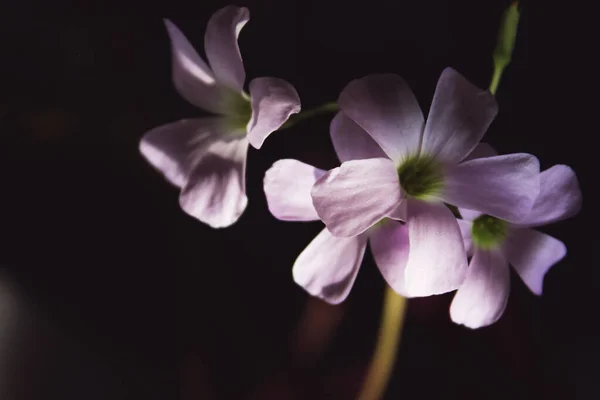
column 459, row 116
column 221, row 46
column 287, row 186
column 273, row 101
column 353, row 197
column 215, row 192
column 328, row 266
column 504, row 186
column 532, row 253
column 351, row 142
column 385, row 107
column 482, row 298
column 390, row 247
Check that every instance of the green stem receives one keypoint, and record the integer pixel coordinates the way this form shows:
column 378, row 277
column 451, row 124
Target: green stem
column 322, row 109
column 390, row 330
column 496, row 77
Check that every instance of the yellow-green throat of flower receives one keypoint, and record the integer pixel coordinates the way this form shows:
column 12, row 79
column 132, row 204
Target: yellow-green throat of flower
column 421, row 176
column 488, row 232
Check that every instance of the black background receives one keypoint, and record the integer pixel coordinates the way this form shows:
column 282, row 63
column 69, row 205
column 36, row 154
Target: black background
column 131, row 298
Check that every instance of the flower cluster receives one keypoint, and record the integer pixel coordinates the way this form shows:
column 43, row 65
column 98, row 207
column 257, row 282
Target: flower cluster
column 399, row 174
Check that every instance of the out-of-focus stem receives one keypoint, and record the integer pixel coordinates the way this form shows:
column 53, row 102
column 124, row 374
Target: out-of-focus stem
column 322, row 109
column 390, row 330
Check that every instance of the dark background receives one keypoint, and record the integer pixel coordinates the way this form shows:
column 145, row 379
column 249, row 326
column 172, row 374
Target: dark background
column 123, row 296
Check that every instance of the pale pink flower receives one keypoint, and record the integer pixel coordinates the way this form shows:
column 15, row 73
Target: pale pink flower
column 421, row 170
column 206, row 157
column 493, row 244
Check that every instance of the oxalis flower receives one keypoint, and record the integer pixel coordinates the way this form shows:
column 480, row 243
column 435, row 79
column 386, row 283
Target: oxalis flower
column 206, row 157
column 494, row 243
column 421, row 170
column 327, row 268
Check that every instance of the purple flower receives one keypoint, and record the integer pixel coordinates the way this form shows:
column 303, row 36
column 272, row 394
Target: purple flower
column 328, row 266
column 206, row 157
column 418, row 170
column 494, row 243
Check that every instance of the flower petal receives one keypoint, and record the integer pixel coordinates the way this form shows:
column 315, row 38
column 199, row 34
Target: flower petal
column 351, row 198
column 328, row 266
column 532, row 253
column 465, row 230
column 503, row 186
column 192, row 78
column 273, row 101
column 216, row 192
column 469, row 215
column 559, row 198
column 482, row 298
column 287, row 186
column 437, row 262
column 390, row 248
column 385, row 107
column 174, row 148
column 351, row 142
column 221, row 46
column 460, row 114
column 482, row 150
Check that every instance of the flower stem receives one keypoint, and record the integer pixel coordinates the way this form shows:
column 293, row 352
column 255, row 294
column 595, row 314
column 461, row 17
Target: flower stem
column 322, row 109
column 390, row 330
column 505, row 44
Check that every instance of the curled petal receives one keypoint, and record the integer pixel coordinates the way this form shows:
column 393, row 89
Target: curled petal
column 173, row 149
column 385, row 107
column 221, row 46
column 192, row 78
column 351, row 198
column 437, row 262
column 351, row 142
column 532, row 254
column 459, row 117
column 287, row 186
column 503, row 186
column 273, row 101
column 559, row 198
column 215, row 192
column 482, row 298
column 390, row 248
column 328, row 266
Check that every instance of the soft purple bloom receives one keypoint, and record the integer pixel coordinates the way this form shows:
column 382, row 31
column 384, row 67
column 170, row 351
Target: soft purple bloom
column 328, row 266
column 206, row 157
column 482, row 298
column 421, row 168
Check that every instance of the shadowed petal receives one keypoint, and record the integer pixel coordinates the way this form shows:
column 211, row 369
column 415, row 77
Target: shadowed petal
column 273, row 101
column 385, row 107
column 482, row 150
column 328, row 266
column 390, row 248
column 173, row 149
column 459, row 117
column 482, row 298
column 221, row 46
column 351, row 198
column 215, row 192
column 532, row 253
column 192, row 78
column 437, row 262
column 351, row 142
column 559, row 198
column 287, row 186
column 503, row 186
column 465, row 230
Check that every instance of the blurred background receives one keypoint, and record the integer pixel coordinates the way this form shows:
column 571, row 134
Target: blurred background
column 109, row 291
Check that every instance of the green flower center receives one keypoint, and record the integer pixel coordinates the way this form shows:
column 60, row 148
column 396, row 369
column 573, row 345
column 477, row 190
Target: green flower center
column 488, row 232
column 240, row 110
column 421, row 176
